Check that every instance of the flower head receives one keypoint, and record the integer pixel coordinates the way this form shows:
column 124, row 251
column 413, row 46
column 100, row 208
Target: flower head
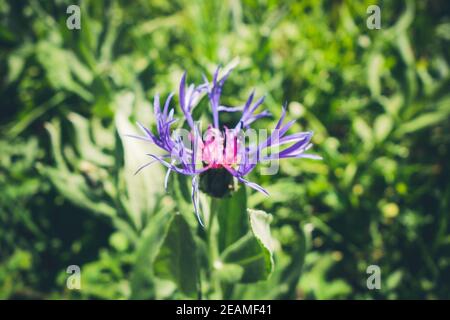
column 212, row 160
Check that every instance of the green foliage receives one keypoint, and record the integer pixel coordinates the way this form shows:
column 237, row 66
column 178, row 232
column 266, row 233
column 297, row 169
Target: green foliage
column 177, row 258
column 232, row 218
column 253, row 252
column 377, row 101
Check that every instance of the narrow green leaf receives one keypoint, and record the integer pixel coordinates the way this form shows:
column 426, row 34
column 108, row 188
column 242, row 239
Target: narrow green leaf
column 143, row 188
column 176, row 259
column 253, row 252
column 142, row 277
column 363, row 130
column 181, row 192
column 58, row 64
column 230, row 273
column 260, row 225
column 291, row 274
column 28, row 117
column 423, row 121
column 374, row 74
column 382, row 127
column 232, row 216
column 84, row 144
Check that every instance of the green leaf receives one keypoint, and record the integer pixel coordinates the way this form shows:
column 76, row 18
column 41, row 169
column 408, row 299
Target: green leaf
column 382, row 127
column 293, row 271
column 84, row 144
column 316, row 282
column 142, row 280
column 17, row 61
column 145, row 187
column 363, row 130
column 253, row 252
column 30, row 116
column 70, row 185
column 74, row 187
column 260, row 225
column 232, row 217
column 421, row 122
column 59, row 65
column 181, row 192
column 230, row 273
column 283, row 282
column 374, row 74
column 176, row 259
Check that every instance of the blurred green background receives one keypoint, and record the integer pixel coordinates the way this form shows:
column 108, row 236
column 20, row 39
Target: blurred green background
column 377, row 100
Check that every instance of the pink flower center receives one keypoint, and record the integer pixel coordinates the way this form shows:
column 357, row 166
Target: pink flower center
column 219, row 150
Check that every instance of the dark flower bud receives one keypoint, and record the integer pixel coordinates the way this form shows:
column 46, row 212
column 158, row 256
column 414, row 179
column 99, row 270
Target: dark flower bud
column 217, row 183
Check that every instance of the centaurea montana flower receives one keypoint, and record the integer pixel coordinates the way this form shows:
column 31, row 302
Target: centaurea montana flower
column 222, row 153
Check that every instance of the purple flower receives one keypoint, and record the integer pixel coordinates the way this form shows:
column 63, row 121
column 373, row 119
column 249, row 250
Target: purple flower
column 221, row 151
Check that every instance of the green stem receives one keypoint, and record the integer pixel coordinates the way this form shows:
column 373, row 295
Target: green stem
column 200, row 295
column 212, row 243
column 212, row 215
column 210, row 234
